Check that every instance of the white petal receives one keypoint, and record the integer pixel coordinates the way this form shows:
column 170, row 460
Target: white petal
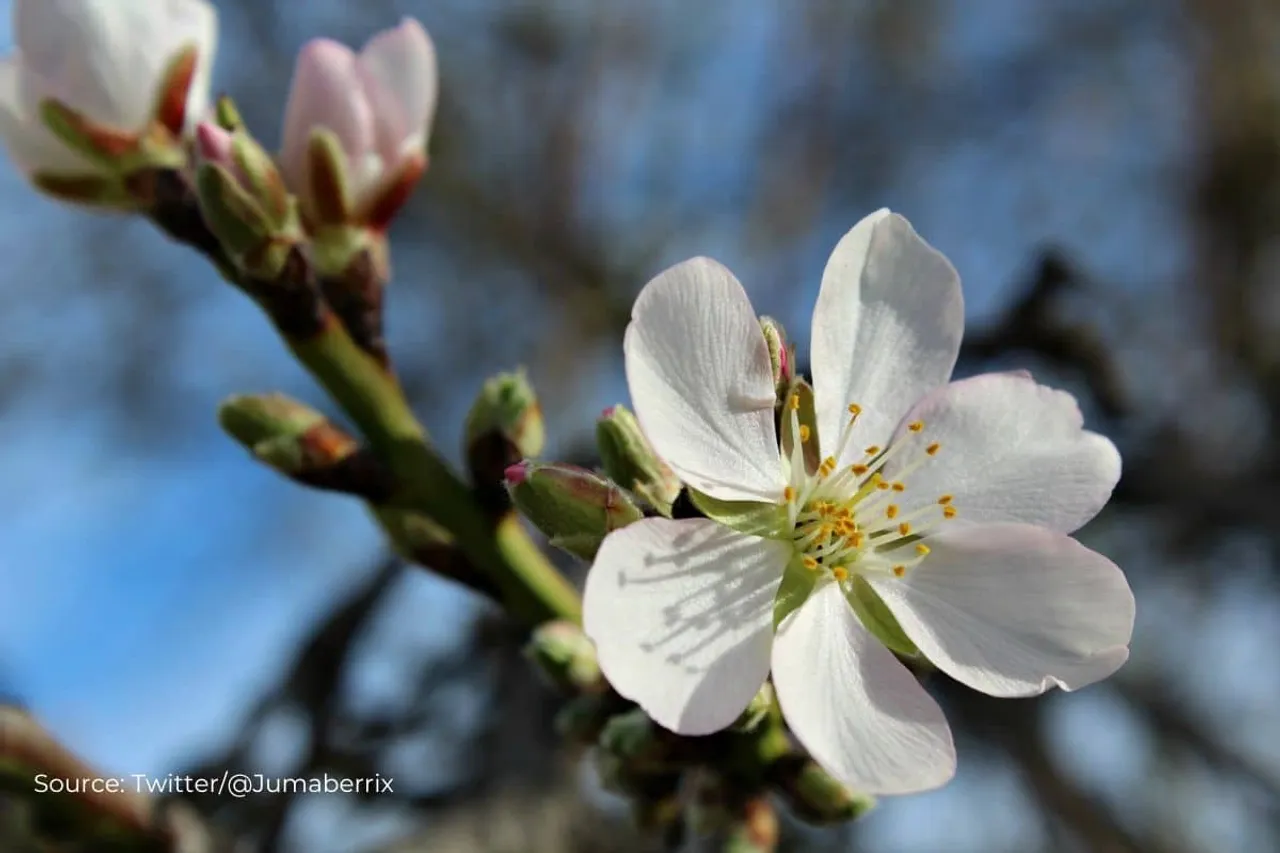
column 30, row 145
column 861, row 714
column 699, row 374
column 327, row 92
column 886, row 328
column 681, row 613
column 399, row 69
column 1011, row 450
column 1012, row 610
column 105, row 58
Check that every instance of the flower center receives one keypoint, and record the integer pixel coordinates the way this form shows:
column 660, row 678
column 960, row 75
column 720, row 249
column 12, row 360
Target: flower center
column 855, row 520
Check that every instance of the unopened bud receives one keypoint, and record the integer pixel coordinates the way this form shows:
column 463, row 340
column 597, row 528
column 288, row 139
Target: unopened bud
column 244, row 200
column 754, row 829
column 304, row 445
column 640, row 742
column 574, row 507
column 815, row 795
column 757, row 711
column 503, row 427
column 565, row 655
column 782, row 357
column 631, row 462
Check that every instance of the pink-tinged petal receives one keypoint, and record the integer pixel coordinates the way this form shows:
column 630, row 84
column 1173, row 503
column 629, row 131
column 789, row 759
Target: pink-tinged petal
column 31, row 147
column 858, row 711
column 106, row 58
column 886, row 328
column 700, row 378
column 1010, row 450
column 327, row 92
column 398, row 67
column 681, row 613
column 1013, row 610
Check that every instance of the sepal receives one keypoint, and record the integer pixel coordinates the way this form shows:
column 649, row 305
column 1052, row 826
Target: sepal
column 629, row 459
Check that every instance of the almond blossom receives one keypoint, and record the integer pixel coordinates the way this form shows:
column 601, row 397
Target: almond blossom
column 112, row 62
column 378, row 106
column 911, row 507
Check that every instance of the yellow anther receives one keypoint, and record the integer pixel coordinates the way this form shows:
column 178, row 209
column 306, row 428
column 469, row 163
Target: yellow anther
column 944, row 500
column 793, row 403
column 857, row 539
column 904, row 528
column 882, row 484
column 872, row 450
column 948, row 512
column 933, row 449
column 855, row 409
column 922, row 549
column 915, row 426
column 858, row 470
column 891, row 511
column 899, row 486
column 840, row 573
column 899, row 571
column 789, row 494
column 810, row 564
column 829, row 462
column 804, row 432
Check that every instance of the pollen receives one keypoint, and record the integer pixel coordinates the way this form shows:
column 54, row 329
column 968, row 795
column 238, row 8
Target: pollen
column 789, row 494
column 904, row 528
column 891, row 511
column 840, row 573
column 899, row 571
column 932, row 449
column 855, row 409
column 858, row 470
column 804, row 433
column 794, row 403
column 948, row 511
column 915, row 426
column 922, row 549
column 810, row 564
column 872, row 450
column 945, row 499
column 899, row 486
column 857, row 539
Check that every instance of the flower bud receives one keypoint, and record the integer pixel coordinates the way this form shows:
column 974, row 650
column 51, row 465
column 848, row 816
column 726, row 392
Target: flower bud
column 244, row 201
column 565, row 655
column 640, row 742
column 356, row 126
column 503, row 427
column 102, row 89
column 782, row 357
column 575, row 508
column 814, row 795
column 753, row 828
column 631, row 462
column 303, row 445
column 757, row 711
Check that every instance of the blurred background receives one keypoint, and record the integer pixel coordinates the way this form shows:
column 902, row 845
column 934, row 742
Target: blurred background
column 1105, row 174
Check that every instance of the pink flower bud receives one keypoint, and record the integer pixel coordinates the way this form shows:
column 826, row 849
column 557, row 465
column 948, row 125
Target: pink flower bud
column 517, row 473
column 107, row 60
column 378, row 104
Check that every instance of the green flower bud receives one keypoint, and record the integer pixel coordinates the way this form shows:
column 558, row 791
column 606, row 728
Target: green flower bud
column 782, row 357
column 565, row 655
column 640, row 742
column 504, row 426
column 575, row 508
column 631, row 462
column 757, row 711
column 814, row 795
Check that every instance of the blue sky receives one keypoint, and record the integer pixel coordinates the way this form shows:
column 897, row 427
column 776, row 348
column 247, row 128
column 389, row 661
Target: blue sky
column 105, row 555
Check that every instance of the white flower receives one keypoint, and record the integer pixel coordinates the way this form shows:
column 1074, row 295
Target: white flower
column 105, row 59
column 379, row 106
column 951, row 501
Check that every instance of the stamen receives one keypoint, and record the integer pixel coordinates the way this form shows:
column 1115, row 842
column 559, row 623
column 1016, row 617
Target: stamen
column 933, row 449
column 810, row 563
column 922, row 549
column 872, row 450
column 858, row 470
column 840, row 573
column 915, row 426
column 804, row 432
column 891, row 511
column 904, row 528
column 945, row 499
column 899, row 571
column 948, row 511
column 789, row 494
column 899, row 486
column 855, row 409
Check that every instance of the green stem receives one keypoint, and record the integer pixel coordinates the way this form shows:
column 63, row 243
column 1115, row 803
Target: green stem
column 530, row 586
